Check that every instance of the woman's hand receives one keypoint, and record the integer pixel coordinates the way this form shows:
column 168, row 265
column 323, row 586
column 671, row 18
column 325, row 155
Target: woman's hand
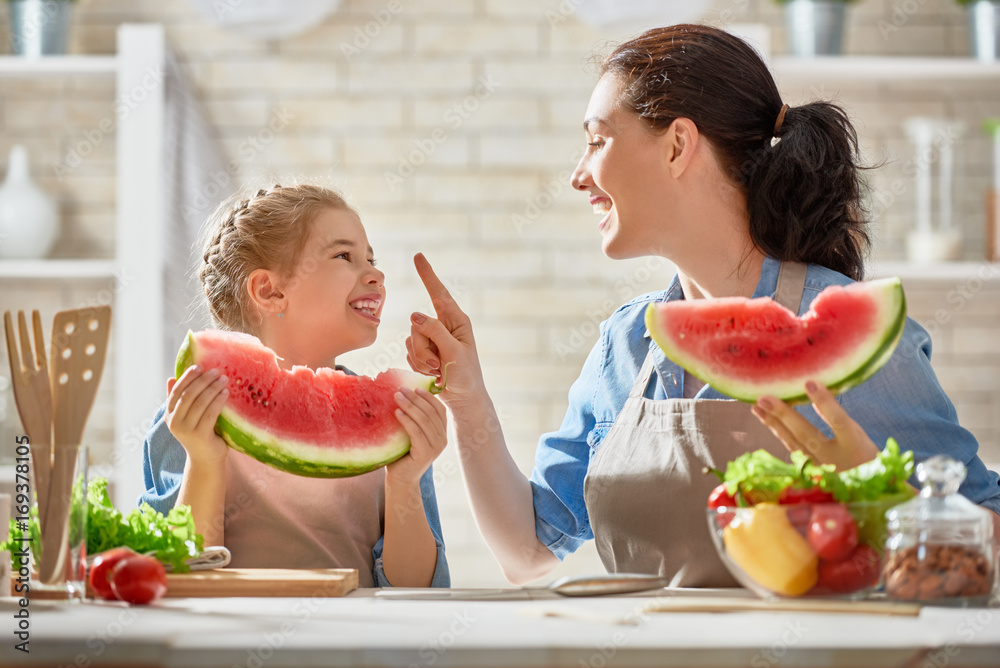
column 849, row 446
column 425, row 419
column 194, row 402
column 447, row 340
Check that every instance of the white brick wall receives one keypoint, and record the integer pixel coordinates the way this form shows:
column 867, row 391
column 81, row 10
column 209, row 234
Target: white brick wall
column 489, row 201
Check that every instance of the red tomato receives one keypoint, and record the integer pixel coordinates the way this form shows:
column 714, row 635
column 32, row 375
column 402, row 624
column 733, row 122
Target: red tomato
column 833, row 533
column 859, row 570
column 720, row 497
column 139, row 579
column 793, row 495
column 100, row 571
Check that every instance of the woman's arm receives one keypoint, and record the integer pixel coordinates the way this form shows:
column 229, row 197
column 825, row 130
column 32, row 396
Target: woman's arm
column 193, row 405
column 500, row 494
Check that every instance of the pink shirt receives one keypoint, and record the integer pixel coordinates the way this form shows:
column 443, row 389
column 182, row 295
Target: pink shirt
column 275, row 519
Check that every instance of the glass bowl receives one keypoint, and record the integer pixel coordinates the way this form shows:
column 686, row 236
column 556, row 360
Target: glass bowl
column 829, row 550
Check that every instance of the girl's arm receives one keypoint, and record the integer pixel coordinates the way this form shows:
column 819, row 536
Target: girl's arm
column 409, row 553
column 193, row 406
column 500, row 494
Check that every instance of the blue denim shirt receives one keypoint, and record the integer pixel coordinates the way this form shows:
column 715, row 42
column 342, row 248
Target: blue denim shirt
column 903, row 400
column 163, row 459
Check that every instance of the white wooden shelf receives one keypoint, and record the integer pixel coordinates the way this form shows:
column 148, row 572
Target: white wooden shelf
column 873, row 68
column 18, row 66
column 940, row 271
column 57, row 269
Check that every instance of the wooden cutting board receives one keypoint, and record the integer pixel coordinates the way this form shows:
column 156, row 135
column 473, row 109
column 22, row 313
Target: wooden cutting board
column 325, row 582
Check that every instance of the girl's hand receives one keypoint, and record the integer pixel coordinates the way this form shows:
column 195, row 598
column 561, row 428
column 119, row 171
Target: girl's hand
column 425, row 419
column 849, row 446
column 193, row 405
column 446, row 340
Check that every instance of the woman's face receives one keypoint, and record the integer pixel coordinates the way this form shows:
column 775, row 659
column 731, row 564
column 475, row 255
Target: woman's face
column 624, row 170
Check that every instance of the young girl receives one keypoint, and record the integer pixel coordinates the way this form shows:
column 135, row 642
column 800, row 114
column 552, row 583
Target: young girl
column 292, row 266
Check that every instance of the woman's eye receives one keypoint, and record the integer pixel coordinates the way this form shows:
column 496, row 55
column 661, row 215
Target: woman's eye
column 596, row 144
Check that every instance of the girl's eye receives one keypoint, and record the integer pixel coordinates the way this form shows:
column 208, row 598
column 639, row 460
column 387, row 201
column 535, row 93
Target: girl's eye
column 373, row 262
column 345, row 255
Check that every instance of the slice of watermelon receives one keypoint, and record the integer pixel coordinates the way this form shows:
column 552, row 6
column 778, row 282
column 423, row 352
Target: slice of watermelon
column 322, row 424
column 746, row 348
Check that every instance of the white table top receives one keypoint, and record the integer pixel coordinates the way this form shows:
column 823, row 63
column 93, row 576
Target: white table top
column 363, row 630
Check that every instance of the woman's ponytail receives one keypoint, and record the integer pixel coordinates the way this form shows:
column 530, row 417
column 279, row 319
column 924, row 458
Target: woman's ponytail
column 804, row 194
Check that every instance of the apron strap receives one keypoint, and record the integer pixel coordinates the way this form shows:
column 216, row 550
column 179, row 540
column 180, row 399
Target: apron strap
column 642, row 380
column 791, row 281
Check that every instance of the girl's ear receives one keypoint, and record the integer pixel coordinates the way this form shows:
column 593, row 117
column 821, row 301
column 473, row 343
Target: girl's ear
column 262, row 284
column 680, row 144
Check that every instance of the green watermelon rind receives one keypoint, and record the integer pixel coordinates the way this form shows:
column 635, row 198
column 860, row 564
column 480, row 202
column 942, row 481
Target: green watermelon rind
column 852, row 377
column 308, row 461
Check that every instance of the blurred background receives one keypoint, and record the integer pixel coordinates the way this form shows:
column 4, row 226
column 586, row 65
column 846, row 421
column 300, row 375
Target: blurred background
column 453, row 127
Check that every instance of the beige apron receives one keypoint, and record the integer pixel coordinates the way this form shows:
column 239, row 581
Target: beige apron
column 645, row 490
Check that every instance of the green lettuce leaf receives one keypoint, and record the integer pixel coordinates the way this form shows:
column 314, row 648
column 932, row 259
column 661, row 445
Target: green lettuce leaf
column 171, row 538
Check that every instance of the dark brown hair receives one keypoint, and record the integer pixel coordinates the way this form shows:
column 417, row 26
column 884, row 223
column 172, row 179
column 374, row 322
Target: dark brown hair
column 804, row 193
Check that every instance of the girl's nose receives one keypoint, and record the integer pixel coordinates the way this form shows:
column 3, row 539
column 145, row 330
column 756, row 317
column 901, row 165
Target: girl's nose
column 581, row 175
column 375, row 277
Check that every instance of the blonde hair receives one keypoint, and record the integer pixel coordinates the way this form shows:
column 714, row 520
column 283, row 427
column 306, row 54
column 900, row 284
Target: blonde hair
column 266, row 230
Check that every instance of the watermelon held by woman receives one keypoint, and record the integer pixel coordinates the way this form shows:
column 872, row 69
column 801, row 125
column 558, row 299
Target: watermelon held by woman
column 746, row 348
column 321, row 424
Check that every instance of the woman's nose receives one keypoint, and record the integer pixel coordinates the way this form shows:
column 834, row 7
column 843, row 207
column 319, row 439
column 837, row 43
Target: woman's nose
column 581, row 175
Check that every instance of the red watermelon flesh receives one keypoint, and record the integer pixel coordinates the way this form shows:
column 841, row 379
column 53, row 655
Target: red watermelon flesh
column 746, row 348
column 323, row 423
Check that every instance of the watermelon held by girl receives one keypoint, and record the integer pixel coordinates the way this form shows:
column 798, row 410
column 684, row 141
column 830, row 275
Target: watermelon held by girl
column 321, row 424
column 746, row 348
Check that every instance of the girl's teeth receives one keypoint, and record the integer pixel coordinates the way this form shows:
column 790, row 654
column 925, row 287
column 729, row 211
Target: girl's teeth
column 602, row 207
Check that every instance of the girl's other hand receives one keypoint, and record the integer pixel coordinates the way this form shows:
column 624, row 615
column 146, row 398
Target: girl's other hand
column 849, row 446
column 425, row 419
column 446, row 340
column 193, row 405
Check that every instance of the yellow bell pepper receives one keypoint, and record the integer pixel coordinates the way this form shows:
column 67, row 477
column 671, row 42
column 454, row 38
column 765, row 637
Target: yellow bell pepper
column 769, row 549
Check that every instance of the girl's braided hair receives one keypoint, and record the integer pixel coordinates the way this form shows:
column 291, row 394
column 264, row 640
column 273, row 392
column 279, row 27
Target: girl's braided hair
column 266, row 230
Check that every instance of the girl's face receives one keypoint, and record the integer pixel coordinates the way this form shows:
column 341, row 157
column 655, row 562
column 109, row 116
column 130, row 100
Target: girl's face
column 335, row 295
column 624, row 171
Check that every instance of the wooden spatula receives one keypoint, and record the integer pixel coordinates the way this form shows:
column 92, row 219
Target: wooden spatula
column 79, row 348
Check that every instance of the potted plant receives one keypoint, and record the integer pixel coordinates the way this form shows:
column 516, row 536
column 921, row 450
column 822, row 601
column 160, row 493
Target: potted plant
column 984, row 24
column 39, row 27
column 815, row 27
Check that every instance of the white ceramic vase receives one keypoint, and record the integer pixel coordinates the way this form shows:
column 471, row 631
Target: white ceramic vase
column 29, row 218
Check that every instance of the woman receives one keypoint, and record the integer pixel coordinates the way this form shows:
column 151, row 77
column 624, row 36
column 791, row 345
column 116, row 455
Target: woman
column 692, row 156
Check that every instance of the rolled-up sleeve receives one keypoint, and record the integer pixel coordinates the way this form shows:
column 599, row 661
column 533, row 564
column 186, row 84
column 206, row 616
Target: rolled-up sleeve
column 163, row 459
column 442, row 576
column 561, row 462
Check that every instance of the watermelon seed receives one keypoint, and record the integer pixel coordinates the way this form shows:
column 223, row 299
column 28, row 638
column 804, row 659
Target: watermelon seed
column 762, row 353
column 809, row 340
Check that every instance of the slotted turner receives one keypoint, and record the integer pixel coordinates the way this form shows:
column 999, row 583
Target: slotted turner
column 29, row 374
column 79, row 347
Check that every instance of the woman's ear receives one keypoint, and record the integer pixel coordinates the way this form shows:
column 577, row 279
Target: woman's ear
column 262, row 284
column 680, row 144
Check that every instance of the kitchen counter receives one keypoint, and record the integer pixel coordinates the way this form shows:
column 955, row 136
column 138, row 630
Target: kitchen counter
column 540, row 630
